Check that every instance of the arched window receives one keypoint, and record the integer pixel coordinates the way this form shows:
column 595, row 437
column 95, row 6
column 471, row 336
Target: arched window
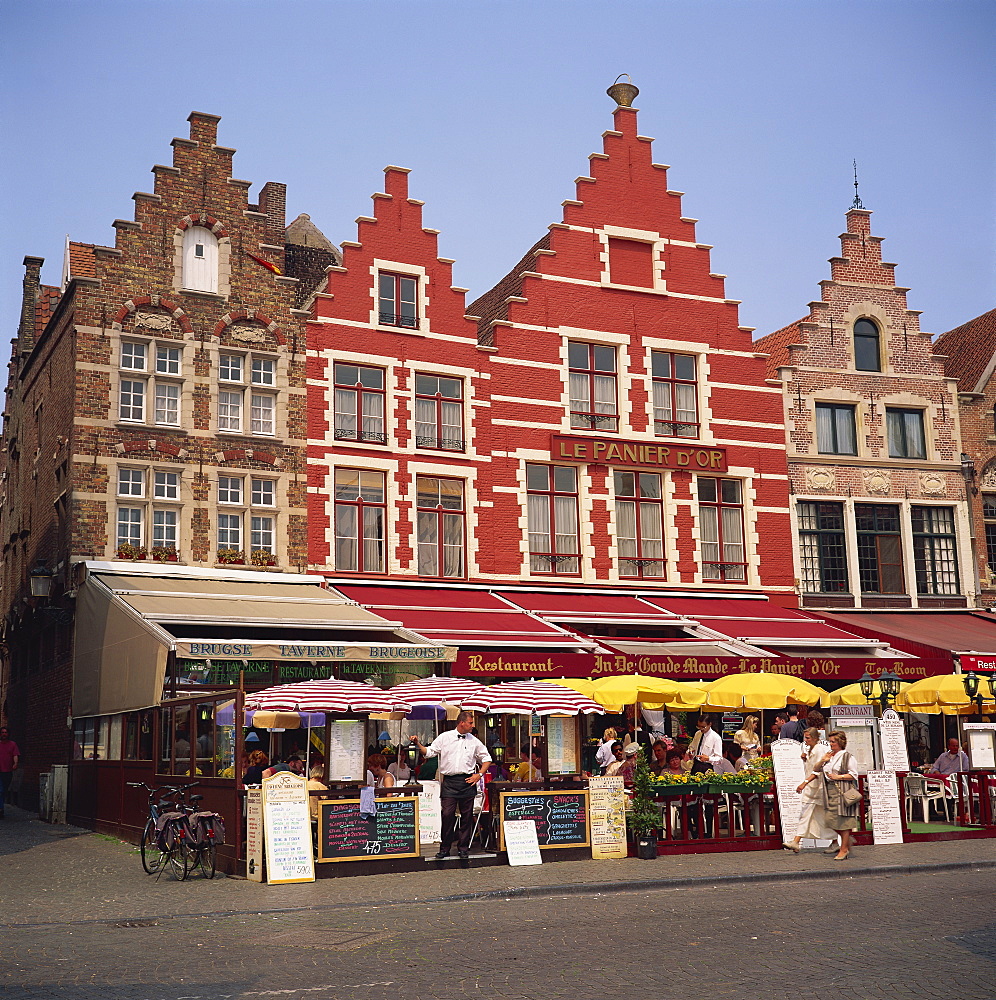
column 867, row 349
column 200, row 259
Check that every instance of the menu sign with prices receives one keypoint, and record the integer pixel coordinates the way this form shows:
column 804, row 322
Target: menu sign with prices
column 786, row 759
column 347, row 753
column 561, row 818
column 287, row 829
column 560, row 744
column 892, row 735
column 346, row 834
column 607, row 809
column 883, row 796
column 521, row 843
column 254, row 834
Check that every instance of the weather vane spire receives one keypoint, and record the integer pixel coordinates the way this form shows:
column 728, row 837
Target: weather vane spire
column 857, row 198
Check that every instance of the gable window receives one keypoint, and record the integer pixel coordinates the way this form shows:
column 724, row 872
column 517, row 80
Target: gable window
column 639, row 524
column 200, row 259
column 880, row 550
column 721, row 520
column 439, row 412
column 905, row 432
column 593, row 386
column 235, row 398
column 835, row 429
column 867, row 346
column 397, row 300
column 934, row 559
column 360, row 520
column 675, row 394
column 552, row 494
column 440, row 527
column 822, row 550
column 359, row 403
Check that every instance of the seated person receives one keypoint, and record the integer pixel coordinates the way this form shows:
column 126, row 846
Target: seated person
column 741, row 762
column 631, row 757
column 953, row 760
column 531, row 768
column 401, row 771
column 659, row 762
column 674, row 762
column 257, row 764
column 618, row 760
column 725, row 763
column 315, row 784
column 377, row 765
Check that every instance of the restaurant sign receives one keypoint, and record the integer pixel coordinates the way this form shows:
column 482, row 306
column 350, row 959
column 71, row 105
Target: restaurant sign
column 686, row 668
column 320, row 651
column 610, row 451
column 980, row 661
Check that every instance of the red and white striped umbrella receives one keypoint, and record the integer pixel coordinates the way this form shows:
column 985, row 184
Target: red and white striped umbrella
column 530, row 697
column 436, row 690
column 326, row 696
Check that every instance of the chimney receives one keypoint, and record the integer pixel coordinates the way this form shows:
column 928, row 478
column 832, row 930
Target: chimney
column 273, row 204
column 29, row 304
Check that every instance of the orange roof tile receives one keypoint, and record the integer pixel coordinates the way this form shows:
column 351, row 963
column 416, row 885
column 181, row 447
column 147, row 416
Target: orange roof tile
column 81, row 260
column 969, row 351
column 777, row 346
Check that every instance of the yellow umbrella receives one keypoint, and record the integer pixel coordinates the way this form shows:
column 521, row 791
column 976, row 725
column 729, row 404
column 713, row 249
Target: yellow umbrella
column 851, row 695
column 583, row 685
column 687, row 696
column 944, row 694
column 628, row 689
column 761, row 690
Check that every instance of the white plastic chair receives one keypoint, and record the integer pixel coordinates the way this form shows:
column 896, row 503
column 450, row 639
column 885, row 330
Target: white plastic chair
column 927, row 790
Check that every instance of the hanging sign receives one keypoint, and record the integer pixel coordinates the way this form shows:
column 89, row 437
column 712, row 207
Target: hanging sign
column 892, row 736
column 520, row 841
column 883, row 796
column 287, row 829
column 607, row 809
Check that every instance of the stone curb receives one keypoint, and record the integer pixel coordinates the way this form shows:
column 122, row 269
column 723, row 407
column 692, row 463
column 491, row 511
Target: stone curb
column 536, row 891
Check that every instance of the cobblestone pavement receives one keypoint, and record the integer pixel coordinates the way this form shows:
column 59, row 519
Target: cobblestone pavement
column 80, row 921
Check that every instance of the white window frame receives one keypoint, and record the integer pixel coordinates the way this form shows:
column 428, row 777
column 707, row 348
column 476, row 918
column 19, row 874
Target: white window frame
column 160, row 500
column 158, row 387
column 247, row 502
column 250, row 403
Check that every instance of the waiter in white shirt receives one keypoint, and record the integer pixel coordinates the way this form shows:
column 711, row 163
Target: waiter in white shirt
column 463, row 759
column 706, row 748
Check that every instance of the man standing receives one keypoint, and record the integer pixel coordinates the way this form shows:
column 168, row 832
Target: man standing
column 706, row 747
column 951, row 762
column 792, row 729
column 463, row 759
column 10, row 754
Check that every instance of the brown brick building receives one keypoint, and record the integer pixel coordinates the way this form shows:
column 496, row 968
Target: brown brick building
column 879, row 513
column 969, row 356
column 155, row 409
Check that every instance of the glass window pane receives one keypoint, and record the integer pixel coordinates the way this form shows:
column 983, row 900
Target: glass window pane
column 684, row 367
column 605, row 359
column 565, row 479
column 538, row 477
column 230, row 367
column 707, row 489
column 133, row 356
column 625, row 483
column 577, row 355
column 168, row 360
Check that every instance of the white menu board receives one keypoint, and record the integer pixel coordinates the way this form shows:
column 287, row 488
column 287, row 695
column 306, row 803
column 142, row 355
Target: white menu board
column 607, row 816
column 892, row 735
column 287, row 829
column 981, row 748
column 254, row 834
column 883, row 796
column 560, row 748
column 346, row 753
column 521, row 842
column 430, row 815
column 860, row 742
column 786, row 758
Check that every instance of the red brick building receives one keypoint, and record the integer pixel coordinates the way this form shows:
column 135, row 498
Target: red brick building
column 969, row 356
column 873, row 441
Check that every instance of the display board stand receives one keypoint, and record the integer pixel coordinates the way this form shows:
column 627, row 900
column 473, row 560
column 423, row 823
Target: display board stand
column 607, row 812
column 254, row 834
column 883, row 796
column 287, row 829
column 561, row 818
column 519, row 837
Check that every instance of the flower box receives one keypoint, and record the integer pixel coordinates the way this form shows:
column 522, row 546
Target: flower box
column 232, row 557
column 165, row 554
column 127, row 551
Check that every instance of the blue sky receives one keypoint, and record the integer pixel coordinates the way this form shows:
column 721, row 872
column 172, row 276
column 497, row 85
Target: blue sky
column 759, row 108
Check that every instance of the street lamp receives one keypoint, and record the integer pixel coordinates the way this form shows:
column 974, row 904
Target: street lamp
column 971, row 682
column 888, row 684
column 411, row 759
column 40, row 578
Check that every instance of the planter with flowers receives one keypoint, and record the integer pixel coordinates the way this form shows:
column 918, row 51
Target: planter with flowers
column 128, row 551
column 260, row 557
column 232, row 557
column 644, row 818
column 164, row 553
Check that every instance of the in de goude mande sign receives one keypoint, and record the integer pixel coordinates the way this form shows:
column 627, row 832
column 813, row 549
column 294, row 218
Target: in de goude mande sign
column 649, row 454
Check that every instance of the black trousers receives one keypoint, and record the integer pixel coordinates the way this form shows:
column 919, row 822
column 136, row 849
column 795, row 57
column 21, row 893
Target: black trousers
column 449, row 808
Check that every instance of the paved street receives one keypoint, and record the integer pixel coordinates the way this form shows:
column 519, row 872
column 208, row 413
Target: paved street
column 81, row 922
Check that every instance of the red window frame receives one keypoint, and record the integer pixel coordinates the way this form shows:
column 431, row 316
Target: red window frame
column 394, row 297
column 670, row 383
column 641, row 562
column 589, row 374
column 725, row 568
column 560, row 563
column 360, row 505
column 438, row 440
column 439, row 514
column 359, row 390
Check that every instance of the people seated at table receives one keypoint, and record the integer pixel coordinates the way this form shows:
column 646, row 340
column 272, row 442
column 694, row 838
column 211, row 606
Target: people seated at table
column 401, row 771
column 603, row 755
column 531, row 768
column 674, row 762
column 615, row 765
column 953, row 760
column 741, row 761
column 631, row 757
column 377, row 766
column 725, row 763
column 659, row 762
column 258, row 762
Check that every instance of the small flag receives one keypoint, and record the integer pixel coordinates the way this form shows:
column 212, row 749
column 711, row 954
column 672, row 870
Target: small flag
column 269, row 265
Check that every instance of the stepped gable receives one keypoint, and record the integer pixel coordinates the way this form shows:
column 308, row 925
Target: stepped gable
column 969, row 352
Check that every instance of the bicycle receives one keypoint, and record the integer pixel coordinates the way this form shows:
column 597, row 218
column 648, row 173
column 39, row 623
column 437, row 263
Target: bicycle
column 164, row 842
column 205, row 830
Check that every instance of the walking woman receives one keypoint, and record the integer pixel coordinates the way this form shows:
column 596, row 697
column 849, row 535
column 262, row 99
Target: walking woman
column 748, row 738
column 840, row 774
column 811, row 814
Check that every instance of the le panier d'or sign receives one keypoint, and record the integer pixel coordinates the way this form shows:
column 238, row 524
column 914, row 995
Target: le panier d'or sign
column 611, row 451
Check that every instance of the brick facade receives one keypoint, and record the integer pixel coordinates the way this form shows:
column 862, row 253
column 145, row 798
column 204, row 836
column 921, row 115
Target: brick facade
column 162, row 363
column 873, row 443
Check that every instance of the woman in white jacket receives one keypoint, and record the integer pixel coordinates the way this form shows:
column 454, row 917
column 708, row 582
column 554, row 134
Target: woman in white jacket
column 812, row 814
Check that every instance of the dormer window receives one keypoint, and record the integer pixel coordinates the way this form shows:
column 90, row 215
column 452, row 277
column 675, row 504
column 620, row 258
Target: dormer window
column 398, row 300
column 200, row 260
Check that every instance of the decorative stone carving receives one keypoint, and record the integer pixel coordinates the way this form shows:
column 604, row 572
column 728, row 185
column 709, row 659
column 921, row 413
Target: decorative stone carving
column 932, row 485
column 988, row 478
column 821, row 479
column 248, row 334
column 878, row 482
column 153, row 321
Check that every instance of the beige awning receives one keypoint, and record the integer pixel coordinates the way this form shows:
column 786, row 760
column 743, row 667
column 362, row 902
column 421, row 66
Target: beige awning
column 127, row 623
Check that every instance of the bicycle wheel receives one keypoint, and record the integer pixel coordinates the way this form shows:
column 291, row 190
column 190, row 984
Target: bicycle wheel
column 152, row 857
column 178, row 855
column 207, row 859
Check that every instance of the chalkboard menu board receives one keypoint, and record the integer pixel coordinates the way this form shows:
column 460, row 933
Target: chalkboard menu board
column 345, row 836
column 561, row 818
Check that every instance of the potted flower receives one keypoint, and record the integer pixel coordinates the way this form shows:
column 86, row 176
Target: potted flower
column 231, row 556
column 644, row 817
column 262, row 557
column 164, row 553
column 128, row 551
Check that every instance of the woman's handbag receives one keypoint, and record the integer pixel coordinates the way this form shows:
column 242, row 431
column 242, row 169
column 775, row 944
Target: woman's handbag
column 851, row 796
